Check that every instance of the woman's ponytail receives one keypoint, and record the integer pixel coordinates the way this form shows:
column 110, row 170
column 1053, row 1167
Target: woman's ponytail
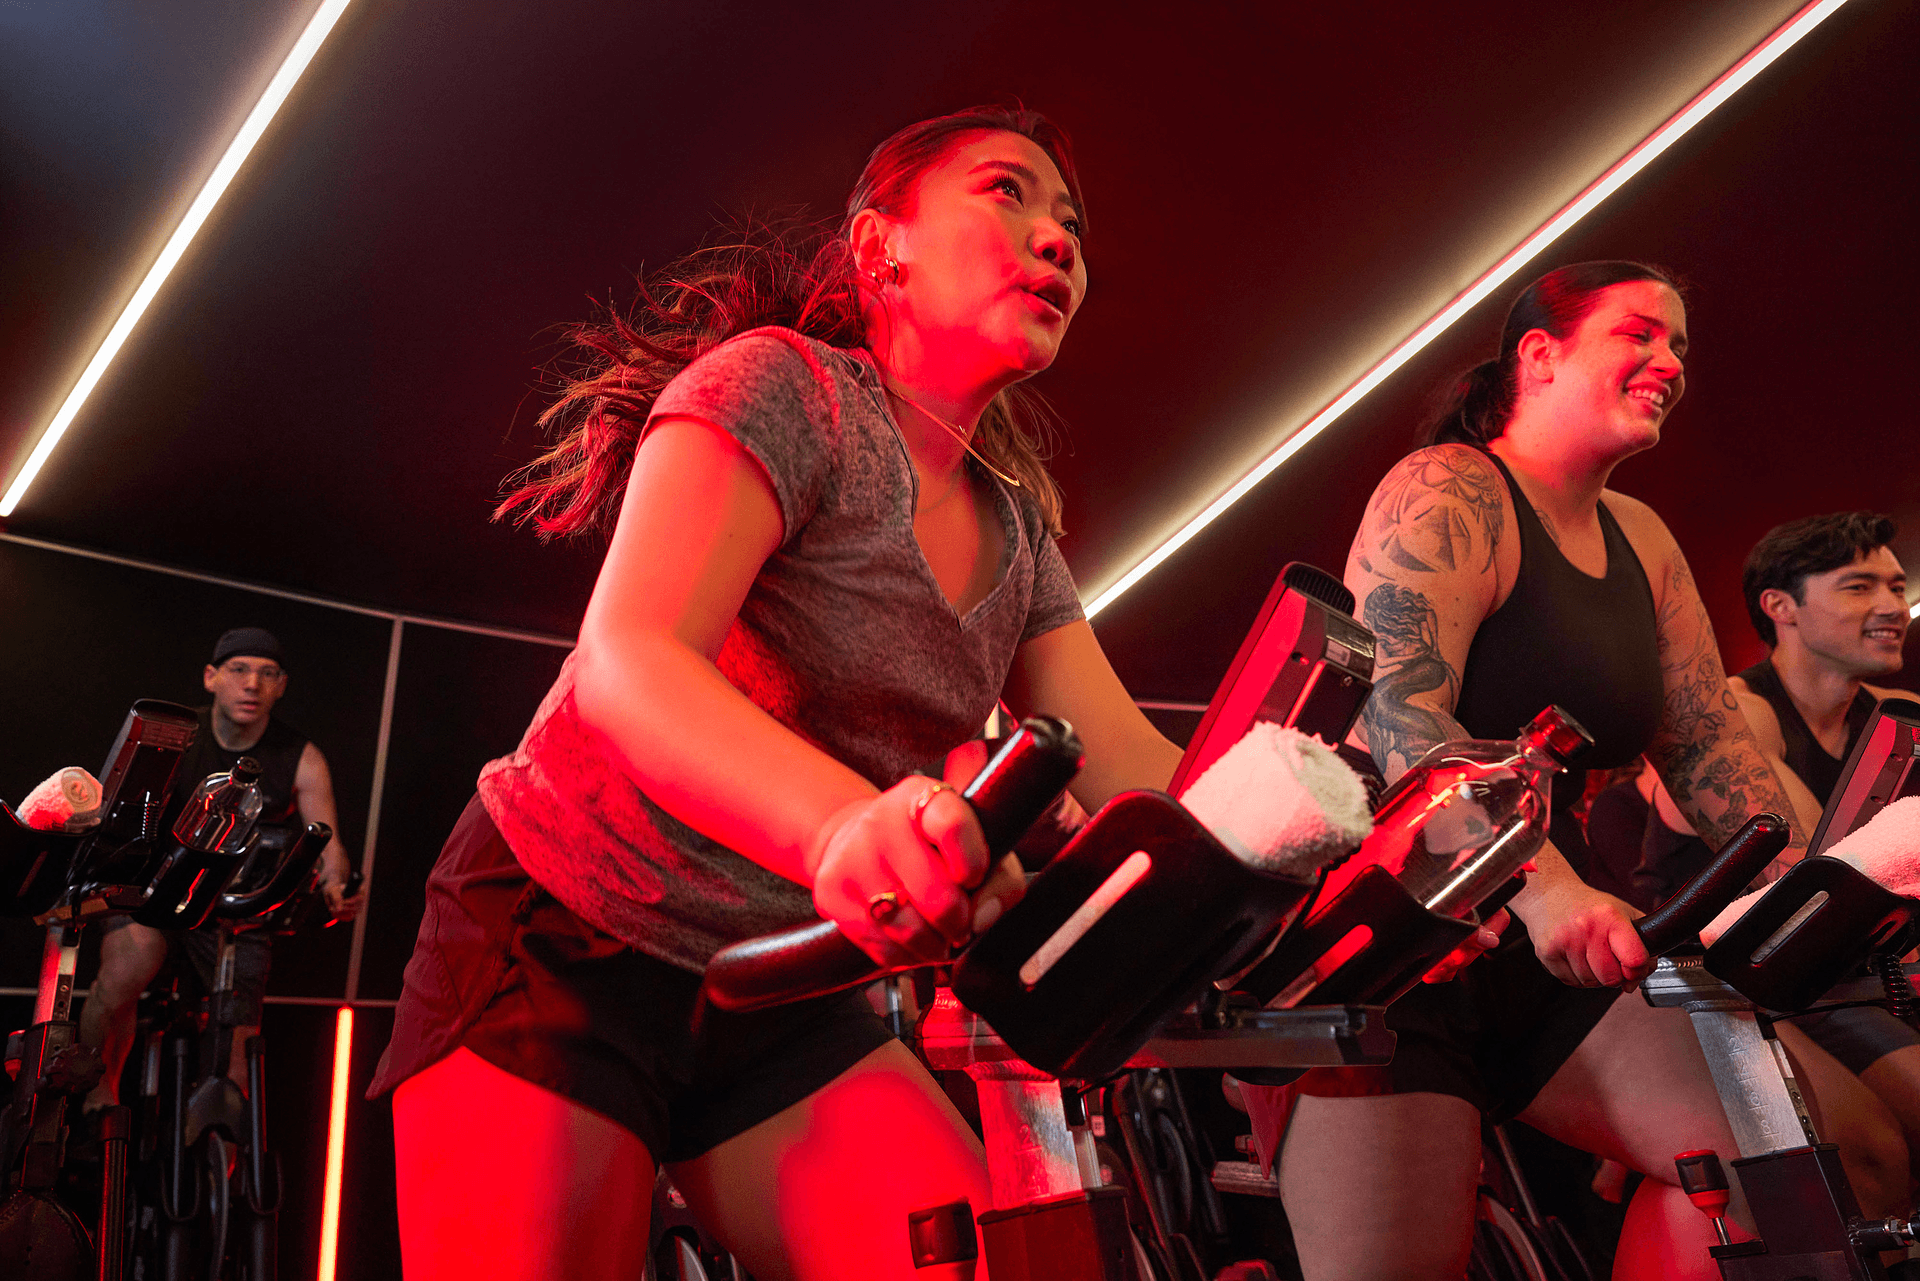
column 1477, row 409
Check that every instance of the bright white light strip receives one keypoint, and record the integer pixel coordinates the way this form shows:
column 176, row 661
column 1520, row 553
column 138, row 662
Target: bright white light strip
column 223, row 173
column 1915, row 611
column 1756, row 60
column 336, row 1146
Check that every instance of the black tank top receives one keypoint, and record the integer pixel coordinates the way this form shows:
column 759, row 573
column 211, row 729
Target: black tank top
column 278, row 752
column 1804, row 755
column 1589, row 644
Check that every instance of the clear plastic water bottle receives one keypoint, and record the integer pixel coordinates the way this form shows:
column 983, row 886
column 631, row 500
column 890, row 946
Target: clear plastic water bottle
column 220, row 816
column 1468, row 815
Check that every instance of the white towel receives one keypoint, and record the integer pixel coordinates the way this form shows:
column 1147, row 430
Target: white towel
column 1886, row 850
column 69, row 801
column 1282, row 801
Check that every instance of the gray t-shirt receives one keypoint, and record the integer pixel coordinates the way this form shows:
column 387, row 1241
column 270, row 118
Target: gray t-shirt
column 845, row 637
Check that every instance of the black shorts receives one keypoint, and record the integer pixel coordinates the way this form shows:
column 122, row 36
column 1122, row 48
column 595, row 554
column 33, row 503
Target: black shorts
column 1497, row 1033
column 504, row 969
column 1858, row 1037
column 252, row 960
column 1494, row 1035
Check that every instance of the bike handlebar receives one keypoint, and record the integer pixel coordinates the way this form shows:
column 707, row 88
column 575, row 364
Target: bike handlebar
column 1697, row 902
column 1015, row 787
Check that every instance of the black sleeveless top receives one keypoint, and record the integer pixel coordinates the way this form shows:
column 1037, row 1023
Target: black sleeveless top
column 1804, row 755
column 278, row 752
column 1561, row 636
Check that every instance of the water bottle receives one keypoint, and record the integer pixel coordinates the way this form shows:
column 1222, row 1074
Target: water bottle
column 1451, row 833
column 220, row 816
column 1468, row 816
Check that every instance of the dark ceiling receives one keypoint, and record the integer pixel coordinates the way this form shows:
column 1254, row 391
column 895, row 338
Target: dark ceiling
column 328, row 392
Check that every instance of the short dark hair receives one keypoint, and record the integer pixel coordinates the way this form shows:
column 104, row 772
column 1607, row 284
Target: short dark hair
column 1789, row 553
column 1482, row 398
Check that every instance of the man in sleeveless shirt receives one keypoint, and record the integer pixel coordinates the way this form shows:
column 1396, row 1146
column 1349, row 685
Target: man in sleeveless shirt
column 1828, row 596
column 246, row 678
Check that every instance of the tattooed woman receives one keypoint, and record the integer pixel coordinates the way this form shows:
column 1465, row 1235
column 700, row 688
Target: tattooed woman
column 1501, row 575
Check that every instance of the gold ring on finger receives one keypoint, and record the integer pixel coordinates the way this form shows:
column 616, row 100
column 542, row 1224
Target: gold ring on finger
column 919, row 808
column 882, row 907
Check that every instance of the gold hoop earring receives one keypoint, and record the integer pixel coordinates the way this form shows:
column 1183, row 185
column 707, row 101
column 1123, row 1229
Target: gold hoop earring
column 887, row 273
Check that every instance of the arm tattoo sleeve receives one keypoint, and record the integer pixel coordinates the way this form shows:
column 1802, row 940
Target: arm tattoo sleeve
column 1400, row 731
column 1716, row 773
column 1427, row 511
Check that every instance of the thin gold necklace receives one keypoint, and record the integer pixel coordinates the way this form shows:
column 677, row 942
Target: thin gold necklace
column 952, row 431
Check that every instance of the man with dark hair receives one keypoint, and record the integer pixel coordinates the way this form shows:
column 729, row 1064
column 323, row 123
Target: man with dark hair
column 1828, row 597
column 246, row 678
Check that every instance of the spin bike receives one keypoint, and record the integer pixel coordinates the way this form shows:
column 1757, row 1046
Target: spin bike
column 127, row 864
column 1823, row 936
column 1137, row 993
column 207, row 1188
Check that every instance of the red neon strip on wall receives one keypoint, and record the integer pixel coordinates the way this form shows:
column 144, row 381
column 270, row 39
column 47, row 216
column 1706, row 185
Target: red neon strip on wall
column 336, row 1145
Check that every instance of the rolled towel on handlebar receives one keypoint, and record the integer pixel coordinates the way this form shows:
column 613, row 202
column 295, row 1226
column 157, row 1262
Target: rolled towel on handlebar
column 1885, row 851
column 1282, row 801
column 69, row 801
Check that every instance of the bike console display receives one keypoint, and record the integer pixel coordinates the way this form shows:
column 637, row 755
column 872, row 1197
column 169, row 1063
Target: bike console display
column 1305, row 664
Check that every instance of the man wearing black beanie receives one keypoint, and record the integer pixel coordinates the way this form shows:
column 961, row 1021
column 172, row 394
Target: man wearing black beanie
column 246, row 678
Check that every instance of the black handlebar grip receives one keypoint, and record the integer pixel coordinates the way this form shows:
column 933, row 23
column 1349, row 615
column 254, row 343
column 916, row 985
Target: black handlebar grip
column 1015, row 787
column 289, row 876
column 1697, row 902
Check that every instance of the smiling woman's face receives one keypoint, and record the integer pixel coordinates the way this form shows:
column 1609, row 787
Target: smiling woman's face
column 989, row 253
column 1620, row 373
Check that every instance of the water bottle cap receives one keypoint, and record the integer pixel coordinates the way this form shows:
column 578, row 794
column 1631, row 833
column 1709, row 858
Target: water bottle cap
column 1562, row 736
column 246, row 770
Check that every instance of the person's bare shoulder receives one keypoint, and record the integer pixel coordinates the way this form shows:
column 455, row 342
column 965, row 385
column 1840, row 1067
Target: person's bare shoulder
column 1761, row 719
column 1887, row 691
column 1441, row 510
column 1640, row 523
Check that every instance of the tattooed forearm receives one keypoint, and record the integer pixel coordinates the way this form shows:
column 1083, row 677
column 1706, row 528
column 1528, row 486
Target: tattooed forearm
column 1709, row 759
column 1428, row 511
column 1410, row 666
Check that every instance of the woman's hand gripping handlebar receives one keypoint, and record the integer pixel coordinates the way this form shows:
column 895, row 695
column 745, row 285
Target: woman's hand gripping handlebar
column 1697, row 902
column 1021, row 780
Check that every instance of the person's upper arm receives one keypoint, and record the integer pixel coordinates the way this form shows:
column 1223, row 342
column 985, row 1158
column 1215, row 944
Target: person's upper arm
column 1423, row 570
column 1765, row 724
column 735, row 458
column 1698, row 707
column 313, row 788
column 700, row 518
column 1704, row 749
column 1065, row 673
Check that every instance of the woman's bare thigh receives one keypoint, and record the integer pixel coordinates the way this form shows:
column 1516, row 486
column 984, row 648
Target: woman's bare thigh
column 1381, row 1188
column 1637, row 1091
column 822, row 1190
column 497, row 1177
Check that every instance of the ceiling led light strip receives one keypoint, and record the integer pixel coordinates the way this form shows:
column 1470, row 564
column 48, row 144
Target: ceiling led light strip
column 1756, row 60
column 216, row 185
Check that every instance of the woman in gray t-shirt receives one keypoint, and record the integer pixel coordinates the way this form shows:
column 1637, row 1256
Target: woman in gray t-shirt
column 833, row 555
